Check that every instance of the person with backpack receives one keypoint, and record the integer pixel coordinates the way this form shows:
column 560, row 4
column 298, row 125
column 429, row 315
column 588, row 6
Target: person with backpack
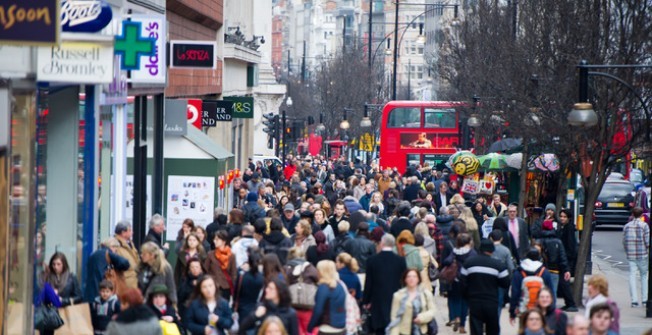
column 530, row 277
column 252, row 210
column 457, row 302
column 556, row 319
column 554, row 255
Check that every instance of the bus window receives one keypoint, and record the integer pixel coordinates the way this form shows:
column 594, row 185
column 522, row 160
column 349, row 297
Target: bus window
column 413, row 159
column 439, row 118
column 404, row 117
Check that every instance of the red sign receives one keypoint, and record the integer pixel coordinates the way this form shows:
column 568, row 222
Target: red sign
column 194, row 112
column 425, row 140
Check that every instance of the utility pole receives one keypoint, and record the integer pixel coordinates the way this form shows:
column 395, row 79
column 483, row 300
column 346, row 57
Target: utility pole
column 344, row 34
column 284, row 141
column 371, row 11
column 409, row 94
column 395, row 51
column 303, row 63
column 288, row 63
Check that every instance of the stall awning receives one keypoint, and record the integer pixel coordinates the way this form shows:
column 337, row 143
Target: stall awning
column 194, row 145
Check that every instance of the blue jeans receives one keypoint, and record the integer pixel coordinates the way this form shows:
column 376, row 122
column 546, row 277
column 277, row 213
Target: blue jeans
column 459, row 307
column 501, row 300
column 642, row 266
column 555, row 284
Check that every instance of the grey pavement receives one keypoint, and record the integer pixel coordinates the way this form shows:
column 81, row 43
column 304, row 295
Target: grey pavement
column 608, row 259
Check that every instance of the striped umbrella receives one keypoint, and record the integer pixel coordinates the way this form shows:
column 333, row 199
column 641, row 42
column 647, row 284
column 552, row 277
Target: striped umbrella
column 493, row 162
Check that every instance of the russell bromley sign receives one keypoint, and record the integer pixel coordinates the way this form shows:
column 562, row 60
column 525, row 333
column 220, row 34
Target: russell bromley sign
column 90, row 63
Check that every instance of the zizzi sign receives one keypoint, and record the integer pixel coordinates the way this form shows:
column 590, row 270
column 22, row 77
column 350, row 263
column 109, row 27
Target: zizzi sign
column 90, row 63
column 193, row 54
column 214, row 111
column 85, row 16
column 153, row 69
column 33, row 22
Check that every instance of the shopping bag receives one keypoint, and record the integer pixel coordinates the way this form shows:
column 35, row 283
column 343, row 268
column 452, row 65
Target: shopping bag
column 169, row 328
column 77, row 320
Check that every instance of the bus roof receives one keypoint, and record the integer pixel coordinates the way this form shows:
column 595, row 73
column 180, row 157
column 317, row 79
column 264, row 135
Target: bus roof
column 411, row 103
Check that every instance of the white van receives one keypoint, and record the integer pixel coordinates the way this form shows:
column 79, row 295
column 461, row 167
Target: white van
column 259, row 158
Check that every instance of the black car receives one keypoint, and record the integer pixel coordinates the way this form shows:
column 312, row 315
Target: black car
column 615, row 202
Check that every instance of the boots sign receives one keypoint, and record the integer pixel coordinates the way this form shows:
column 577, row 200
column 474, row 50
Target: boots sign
column 214, row 111
column 85, row 16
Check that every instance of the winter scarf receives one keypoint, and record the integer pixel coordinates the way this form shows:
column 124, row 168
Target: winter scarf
column 223, row 255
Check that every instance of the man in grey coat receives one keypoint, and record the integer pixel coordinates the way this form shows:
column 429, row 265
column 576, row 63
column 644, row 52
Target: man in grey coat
column 503, row 254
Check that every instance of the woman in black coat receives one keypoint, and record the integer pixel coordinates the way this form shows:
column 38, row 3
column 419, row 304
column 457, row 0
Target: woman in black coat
column 277, row 303
column 249, row 284
column 208, row 310
column 321, row 251
column 194, row 270
column 63, row 281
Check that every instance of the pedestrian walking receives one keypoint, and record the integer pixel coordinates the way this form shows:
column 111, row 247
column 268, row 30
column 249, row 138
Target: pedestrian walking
column 556, row 319
column 155, row 270
column 220, row 264
column 191, row 248
column 636, row 240
column 598, row 291
column 566, row 233
column 481, row 276
column 194, row 270
column 155, row 233
column 502, row 254
column 577, row 325
column 329, row 314
column 413, row 308
column 135, row 317
column 554, row 255
column 533, row 322
column 361, row 247
column 601, row 316
column 208, row 313
column 276, row 301
column 530, row 277
column 159, row 302
column 63, row 281
column 347, row 268
column 383, row 278
column 519, row 231
column 456, row 298
column 97, row 264
column 123, row 233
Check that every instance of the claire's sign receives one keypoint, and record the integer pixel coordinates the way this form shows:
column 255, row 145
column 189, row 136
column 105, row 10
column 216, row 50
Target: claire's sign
column 193, row 54
column 153, row 68
column 34, row 22
column 84, row 15
column 214, row 111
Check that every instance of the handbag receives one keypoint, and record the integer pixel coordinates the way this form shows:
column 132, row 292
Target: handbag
column 169, row 328
column 114, row 276
column 302, row 294
column 449, row 272
column 433, row 327
column 433, row 271
column 46, row 317
column 77, row 320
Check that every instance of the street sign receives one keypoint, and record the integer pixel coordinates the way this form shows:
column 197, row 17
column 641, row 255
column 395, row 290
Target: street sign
column 34, row 22
column 214, row 111
column 132, row 46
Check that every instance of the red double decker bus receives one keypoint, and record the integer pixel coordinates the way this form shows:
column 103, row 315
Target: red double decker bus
column 416, row 132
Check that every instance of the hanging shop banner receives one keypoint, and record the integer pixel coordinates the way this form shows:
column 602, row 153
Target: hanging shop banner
column 34, row 22
column 89, row 63
column 193, row 112
column 84, row 16
column 243, row 107
column 214, row 111
column 193, row 54
column 189, row 197
column 152, row 68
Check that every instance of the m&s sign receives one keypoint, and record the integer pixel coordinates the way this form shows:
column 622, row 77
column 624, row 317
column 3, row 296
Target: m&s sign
column 243, row 107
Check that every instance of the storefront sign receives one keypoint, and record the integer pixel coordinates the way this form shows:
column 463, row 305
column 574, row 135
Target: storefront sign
column 16, row 61
column 174, row 121
column 34, row 22
column 429, row 141
column 131, row 46
column 243, row 107
column 85, row 16
column 115, row 93
column 193, row 54
column 194, row 112
column 214, row 111
column 153, row 68
column 90, row 63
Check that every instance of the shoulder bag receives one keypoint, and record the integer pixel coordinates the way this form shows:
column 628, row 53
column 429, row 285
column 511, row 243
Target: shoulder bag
column 303, row 294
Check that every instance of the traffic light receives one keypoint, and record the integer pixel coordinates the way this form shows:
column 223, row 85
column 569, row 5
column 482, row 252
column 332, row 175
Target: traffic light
column 271, row 126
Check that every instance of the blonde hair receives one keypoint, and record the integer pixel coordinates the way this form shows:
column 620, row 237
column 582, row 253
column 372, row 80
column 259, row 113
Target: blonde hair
column 421, row 229
column 328, row 273
column 305, row 225
column 295, row 253
column 348, row 261
column 158, row 263
column 457, row 199
column 270, row 320
column 111, row 242
column 343, row 226
column 467, row 216
column 601, row 283
column 379, row 194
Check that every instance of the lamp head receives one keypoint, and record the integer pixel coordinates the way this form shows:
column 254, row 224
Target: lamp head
column 474, row 121
column 344, row 124
column 365, row 122
column 288, row 102
column 583, row 115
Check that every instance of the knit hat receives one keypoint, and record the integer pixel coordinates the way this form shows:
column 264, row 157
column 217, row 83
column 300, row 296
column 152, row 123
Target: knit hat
column 550, row 206
column 487, row 246
column 159, row 289
column 252, row 196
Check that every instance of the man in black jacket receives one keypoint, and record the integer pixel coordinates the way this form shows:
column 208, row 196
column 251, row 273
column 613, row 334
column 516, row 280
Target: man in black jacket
column 155, row 233
column 481, row 276
column 275, row 242
column 566, row 233
column 402, row 222
column 412, row 189
column 383, row 278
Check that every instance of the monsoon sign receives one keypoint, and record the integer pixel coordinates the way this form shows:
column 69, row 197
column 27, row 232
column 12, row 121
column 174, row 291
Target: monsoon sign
column 34, row 22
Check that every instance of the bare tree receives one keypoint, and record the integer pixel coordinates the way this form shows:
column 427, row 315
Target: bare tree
column 524, row 59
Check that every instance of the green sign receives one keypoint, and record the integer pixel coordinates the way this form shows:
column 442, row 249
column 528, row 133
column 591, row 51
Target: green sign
column 131, row 45
column 243, row 107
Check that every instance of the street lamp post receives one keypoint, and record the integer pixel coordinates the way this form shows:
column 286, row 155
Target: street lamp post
column 583, row 115
column 288, row 103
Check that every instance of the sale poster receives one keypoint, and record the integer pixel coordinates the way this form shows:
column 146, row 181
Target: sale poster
column 189, row 197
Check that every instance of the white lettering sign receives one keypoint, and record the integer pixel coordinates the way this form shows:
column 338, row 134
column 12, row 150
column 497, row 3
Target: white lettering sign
column 77, row 12
column 90, row 63
column 152, row 69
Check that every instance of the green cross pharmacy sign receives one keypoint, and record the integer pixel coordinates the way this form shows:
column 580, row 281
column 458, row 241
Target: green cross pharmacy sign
column 132, row 46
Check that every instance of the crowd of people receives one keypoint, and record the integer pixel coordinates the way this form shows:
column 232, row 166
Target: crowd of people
column 321, row 247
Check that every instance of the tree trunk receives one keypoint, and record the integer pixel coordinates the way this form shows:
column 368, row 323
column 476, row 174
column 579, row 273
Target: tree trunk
column 562, row 190
column 523, row 180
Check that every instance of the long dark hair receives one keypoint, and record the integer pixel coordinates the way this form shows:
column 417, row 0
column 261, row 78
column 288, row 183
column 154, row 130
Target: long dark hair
column 272, row 267
column 196, row 294
column 193, row 260
column 283, row 291
column 254, row 257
